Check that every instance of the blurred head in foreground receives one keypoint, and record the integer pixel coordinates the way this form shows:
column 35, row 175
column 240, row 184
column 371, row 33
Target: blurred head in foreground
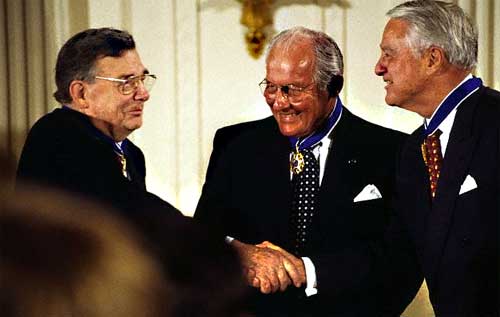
column 61, row 256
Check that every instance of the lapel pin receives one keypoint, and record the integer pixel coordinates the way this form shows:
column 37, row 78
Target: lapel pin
column 352, row 161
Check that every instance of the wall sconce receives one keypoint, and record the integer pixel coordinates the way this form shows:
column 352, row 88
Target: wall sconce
column 256, row 16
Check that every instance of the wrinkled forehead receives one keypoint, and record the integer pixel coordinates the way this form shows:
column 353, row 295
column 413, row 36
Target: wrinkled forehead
column 396, row 29
column 296, row 58
column 129, row 62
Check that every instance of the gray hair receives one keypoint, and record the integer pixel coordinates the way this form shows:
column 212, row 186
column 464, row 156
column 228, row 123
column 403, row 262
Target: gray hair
column 329, row 61
column 441, row 24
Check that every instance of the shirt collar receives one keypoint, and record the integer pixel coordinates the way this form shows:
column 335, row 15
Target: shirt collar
column 448, row 121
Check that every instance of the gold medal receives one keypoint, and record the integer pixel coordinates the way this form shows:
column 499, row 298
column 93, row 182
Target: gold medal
column 423, row 147
column 123, row 163
column 297, row 162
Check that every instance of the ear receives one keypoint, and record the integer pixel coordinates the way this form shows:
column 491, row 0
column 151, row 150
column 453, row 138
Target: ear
column 436, row 58
column 77, row 91
column 335, row 86
column 331, row 101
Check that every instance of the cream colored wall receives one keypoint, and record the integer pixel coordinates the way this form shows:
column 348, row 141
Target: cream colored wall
column 207, row 80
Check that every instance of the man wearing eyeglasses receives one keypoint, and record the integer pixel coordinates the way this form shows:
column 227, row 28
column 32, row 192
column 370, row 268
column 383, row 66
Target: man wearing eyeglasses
column 300, row 241
column 82, row 147
column 102, row 86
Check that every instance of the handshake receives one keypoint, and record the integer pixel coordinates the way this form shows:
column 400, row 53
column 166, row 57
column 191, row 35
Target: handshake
column 269, row 267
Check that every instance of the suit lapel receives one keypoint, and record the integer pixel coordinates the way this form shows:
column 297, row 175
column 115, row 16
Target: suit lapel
column 419, row 174
column 279, row 168
column 455, row 165
column 135, row 177
column 275, row 166
column 413, row 183
column 338, row 161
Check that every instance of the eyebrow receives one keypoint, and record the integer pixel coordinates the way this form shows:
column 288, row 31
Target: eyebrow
column 287, row 84
column 387, row 49
column 125, row 76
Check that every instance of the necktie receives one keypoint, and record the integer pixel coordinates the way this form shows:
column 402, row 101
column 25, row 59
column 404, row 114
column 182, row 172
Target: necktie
column 117, row 147
column 123, row 163
column 431, row 152
column 305, row 190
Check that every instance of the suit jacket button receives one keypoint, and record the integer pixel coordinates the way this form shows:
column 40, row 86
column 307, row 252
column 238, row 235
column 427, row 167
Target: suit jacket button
column 465, row 241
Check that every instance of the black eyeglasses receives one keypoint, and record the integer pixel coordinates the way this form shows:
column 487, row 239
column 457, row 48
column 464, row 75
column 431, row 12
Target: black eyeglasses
column 130, row 85
column 293, row 93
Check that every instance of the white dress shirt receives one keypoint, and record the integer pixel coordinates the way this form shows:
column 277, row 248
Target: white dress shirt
column 447, row 123
column 320, row 152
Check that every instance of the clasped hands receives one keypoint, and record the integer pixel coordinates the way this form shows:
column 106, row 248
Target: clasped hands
column 269, row 267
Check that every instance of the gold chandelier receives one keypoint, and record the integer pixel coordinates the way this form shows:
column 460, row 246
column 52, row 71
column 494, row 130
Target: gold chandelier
column 256, row 16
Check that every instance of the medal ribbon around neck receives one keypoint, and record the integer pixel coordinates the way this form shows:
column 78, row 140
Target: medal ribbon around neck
column 119, row 150
column 297, row 158
column 452, row 102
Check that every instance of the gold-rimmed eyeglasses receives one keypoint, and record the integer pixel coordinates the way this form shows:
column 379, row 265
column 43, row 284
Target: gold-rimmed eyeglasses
column 130, row 85
column 294, row 94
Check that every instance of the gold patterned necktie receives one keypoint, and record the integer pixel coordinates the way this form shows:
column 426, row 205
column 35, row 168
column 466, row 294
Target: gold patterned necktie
column 433, row 158
column 123, row 163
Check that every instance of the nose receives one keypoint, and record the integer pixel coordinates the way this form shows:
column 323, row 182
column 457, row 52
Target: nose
column 141, row 93
column 280, row 101
column 380, row 68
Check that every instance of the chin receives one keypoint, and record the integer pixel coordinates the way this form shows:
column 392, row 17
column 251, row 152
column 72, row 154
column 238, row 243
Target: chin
column 391, row 102
column 135, row 124
column 131, row 128
column 289, row 128
column 297, row 133
column 286, row 131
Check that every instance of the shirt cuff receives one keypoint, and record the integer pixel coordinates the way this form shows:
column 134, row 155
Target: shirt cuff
column 228, row 239
column 310, row 277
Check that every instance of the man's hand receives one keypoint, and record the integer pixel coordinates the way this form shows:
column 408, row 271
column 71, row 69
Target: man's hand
column 293, row 265
column 264, row 268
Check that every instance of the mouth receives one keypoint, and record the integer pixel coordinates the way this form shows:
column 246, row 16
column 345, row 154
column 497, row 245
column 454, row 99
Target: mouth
column 288, row 116
column 387, row 82
column 136, row 112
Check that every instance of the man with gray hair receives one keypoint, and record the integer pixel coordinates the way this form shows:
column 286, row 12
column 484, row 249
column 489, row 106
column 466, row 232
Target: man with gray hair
column 448, row 181
column 83, row 146
column 305, row 193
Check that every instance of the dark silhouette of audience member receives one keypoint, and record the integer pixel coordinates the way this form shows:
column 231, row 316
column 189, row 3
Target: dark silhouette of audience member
column 204, row 270
column 62, row 256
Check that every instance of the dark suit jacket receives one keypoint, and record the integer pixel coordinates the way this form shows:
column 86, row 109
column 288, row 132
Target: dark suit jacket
column 247, row 195
column 62, row 150
column 455, row 239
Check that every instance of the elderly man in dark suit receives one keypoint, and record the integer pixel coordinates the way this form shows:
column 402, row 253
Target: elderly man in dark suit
column 303, row 194
column 448, row 177
column 82, row 147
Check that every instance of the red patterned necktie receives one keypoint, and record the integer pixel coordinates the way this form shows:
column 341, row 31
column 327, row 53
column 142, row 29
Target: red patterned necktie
column 431, row 152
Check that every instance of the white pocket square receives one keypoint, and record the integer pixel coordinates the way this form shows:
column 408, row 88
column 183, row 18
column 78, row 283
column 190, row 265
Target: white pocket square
column 368, row 193
column 468, row 185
